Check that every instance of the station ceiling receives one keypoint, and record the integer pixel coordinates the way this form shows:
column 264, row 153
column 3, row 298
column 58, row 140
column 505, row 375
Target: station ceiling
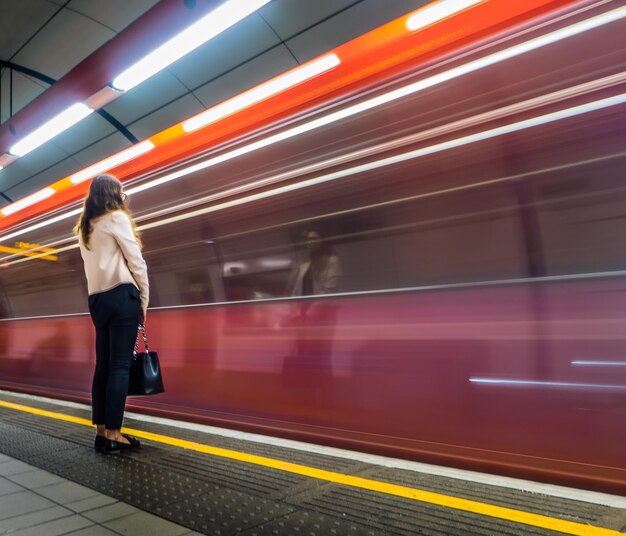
column 41, row 41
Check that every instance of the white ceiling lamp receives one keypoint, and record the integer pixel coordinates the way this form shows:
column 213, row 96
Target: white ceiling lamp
column 112, row 161
column 27, row 201
column 50, row 129
column 220, row 19
column 262, row 92
column 438, row 11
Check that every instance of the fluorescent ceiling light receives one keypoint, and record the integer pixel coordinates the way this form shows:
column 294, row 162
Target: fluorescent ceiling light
column 438, row 11
column 223, row 17
column 112, row 161
column 27, row 201
column 50, row 129
column 263, row 91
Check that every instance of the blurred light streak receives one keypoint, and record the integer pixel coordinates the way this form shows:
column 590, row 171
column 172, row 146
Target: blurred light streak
column 409, row 89
column 451, row 144
column 465, row 140
column 36, row 253
column 42, row 224
column 448, row 128
column 438, row 11
column 262, row 92
column 533, row 383
column 599, row 363
column 440, row 78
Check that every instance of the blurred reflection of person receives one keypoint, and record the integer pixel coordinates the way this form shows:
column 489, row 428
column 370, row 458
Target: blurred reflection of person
column 319, row 274
column 309, row 368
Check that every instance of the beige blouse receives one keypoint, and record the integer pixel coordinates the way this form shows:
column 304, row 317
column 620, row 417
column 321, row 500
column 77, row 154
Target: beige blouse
column 114, row 256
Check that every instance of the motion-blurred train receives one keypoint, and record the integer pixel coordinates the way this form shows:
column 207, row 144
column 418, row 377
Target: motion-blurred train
column 475, row 200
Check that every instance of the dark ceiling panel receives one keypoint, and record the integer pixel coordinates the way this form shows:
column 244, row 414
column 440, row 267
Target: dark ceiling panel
column 350, row 23
column 114, row 14
column 19, row 21
column 64, row 42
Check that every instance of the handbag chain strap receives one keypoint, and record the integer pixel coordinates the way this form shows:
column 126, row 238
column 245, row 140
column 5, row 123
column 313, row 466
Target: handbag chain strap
column 145, row 339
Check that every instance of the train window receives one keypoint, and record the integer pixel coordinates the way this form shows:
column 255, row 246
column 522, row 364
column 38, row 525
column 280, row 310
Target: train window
column 580, row 206
column 181, row 274
column 449, row 238
column 583, row 221
column 42, row 287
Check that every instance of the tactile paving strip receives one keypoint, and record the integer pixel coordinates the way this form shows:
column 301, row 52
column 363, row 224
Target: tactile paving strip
column 219, row 496
column 201, row 505
column 576, row 511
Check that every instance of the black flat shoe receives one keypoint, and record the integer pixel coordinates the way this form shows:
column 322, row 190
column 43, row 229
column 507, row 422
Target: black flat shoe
column 99, row 443
column 111, row 446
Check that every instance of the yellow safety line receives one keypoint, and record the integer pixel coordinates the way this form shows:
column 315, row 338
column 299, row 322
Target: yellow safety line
column 499, row 512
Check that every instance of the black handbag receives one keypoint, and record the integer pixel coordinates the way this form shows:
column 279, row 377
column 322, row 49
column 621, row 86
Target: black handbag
column 145, row 370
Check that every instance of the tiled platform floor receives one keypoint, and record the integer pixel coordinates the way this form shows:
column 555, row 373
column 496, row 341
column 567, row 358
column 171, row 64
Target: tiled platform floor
column 34, row 502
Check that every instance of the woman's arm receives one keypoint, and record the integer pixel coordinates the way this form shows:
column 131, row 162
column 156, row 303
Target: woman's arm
column 123, row 233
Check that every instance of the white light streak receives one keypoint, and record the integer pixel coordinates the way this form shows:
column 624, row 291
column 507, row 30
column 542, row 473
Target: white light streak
column 437, row 12
column 261, row 92
column 394, row 95
column 439, row 147
column 533, row 383
column 432, row 149
column 41, row 224
column 456, row 72
column 599, row 363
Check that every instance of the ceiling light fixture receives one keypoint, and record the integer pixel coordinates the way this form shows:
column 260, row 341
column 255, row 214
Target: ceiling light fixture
column 438, row 11
column 51, row 128
column 263, row 91
column 223, row 17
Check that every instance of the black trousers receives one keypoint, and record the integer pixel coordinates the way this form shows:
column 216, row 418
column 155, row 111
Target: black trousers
column 115, row 314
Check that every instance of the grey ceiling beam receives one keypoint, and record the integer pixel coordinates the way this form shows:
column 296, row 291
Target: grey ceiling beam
column 51, row 81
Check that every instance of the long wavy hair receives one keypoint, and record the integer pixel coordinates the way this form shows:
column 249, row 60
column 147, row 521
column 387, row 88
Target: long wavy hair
column 105, row 195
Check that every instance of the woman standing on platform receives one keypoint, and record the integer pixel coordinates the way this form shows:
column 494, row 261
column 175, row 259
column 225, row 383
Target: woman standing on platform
column 117, row 281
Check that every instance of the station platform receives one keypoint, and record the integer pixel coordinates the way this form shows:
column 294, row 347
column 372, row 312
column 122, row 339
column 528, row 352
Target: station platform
column 34, row 501
column 192, row 479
